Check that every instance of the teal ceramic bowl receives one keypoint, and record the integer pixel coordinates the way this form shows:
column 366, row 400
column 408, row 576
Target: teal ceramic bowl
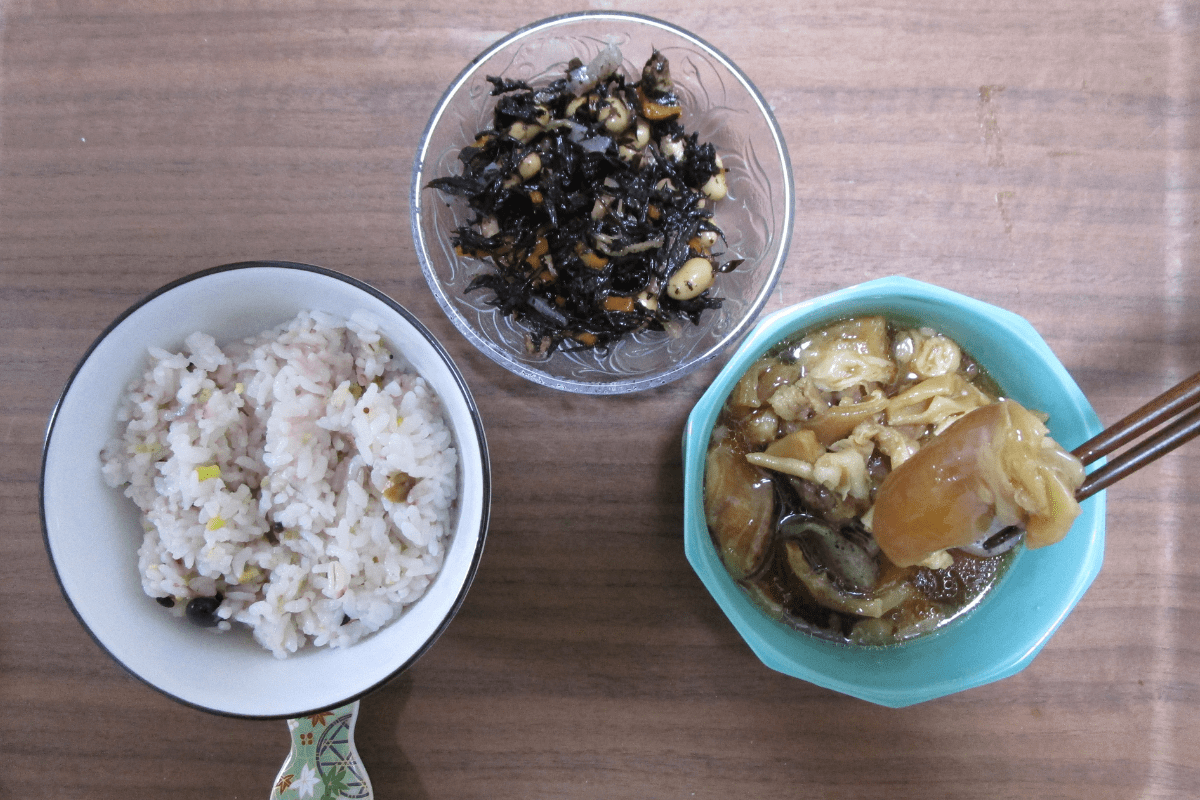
column 1003, row 633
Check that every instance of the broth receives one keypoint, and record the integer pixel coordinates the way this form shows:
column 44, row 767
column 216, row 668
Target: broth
column 796, row 459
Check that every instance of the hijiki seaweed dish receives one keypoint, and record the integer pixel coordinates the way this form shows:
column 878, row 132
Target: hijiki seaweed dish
column 592, row 207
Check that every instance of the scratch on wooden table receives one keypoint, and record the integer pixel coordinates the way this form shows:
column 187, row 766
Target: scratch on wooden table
column 1002, row 203
column 993, row 144
column 993, row 148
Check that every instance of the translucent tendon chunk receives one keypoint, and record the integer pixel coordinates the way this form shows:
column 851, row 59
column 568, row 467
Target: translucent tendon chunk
column 846, row 354
column 937, row 401
column 738, row 504
column 996, row 466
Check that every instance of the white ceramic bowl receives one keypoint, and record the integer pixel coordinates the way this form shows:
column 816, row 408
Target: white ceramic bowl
column 720, row 104
column 92, row 532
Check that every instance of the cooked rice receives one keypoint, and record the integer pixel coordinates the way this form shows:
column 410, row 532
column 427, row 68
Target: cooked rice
column 274, row 473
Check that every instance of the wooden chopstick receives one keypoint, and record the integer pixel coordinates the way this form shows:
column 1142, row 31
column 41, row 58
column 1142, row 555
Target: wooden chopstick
column 1179, row 406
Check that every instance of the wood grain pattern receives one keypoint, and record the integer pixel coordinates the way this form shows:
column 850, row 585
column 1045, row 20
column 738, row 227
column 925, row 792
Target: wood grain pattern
column 1041, row 156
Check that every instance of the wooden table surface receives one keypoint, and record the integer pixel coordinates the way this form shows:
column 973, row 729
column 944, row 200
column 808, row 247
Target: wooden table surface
column 1043, row 156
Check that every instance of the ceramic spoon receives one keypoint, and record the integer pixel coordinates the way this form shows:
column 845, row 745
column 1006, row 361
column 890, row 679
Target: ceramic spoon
column 324, row 763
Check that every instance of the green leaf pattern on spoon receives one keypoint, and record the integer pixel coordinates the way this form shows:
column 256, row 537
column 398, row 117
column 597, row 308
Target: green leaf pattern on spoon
column 323, row 763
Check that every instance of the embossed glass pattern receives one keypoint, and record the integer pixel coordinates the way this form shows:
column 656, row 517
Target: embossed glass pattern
column 720, row 104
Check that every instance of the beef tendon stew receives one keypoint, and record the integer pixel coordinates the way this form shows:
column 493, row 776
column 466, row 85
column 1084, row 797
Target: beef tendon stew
column 868, row 483
column 592, row 207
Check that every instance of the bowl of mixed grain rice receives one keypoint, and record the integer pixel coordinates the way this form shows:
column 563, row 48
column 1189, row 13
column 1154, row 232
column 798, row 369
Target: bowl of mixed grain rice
column 265, row 489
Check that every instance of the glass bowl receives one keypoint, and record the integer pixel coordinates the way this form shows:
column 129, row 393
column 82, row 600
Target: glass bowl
column 92, row 532
column 1017, row 617
column 720, row 103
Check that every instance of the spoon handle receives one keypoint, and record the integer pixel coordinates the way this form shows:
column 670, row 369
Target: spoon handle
column 323, row 761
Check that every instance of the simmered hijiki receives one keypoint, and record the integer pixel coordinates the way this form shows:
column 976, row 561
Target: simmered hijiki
column 593, row 206
column 811, row 433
